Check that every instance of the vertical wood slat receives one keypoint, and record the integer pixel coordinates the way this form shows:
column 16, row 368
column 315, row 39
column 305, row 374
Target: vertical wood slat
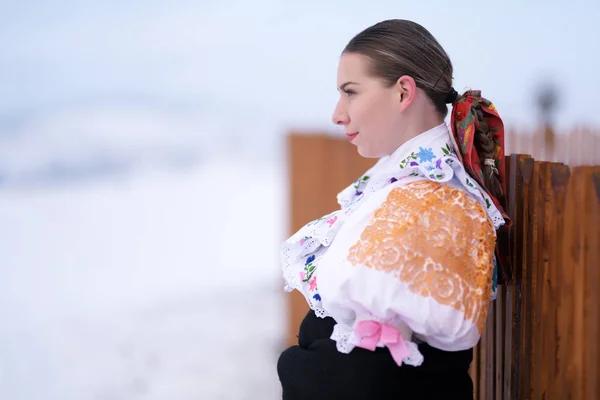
column 490, row 371
column 515, row 211
column 536, row 215
column 549, row 285
column 559, row 180
column 537, row 281
column 482, row 366
column 508, row 293
column 499, row 343
column 526, row 167
column 474, row 372
column 569, row 271
column 591, row 277
column 578, row 265
column 580, row 253
column 529, row 273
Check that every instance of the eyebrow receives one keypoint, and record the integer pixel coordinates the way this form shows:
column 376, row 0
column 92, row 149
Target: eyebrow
column 343, row 86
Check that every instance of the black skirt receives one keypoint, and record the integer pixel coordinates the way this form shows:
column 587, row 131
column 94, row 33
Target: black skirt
column 315, row 370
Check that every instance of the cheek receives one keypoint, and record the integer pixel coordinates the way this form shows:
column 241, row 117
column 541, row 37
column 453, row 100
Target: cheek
column 374, row 115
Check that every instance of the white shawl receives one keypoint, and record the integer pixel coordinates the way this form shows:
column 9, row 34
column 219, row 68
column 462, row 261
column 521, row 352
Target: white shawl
column 411, row 247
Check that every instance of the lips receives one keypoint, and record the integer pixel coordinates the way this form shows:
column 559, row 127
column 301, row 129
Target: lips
column 351, row 136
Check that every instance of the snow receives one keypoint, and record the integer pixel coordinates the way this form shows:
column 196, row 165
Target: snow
column 158, row 285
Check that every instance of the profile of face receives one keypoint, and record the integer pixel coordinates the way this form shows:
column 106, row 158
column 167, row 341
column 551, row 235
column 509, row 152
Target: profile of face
column 374, row 114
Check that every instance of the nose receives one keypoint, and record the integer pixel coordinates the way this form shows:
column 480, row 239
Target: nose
column 340, row 115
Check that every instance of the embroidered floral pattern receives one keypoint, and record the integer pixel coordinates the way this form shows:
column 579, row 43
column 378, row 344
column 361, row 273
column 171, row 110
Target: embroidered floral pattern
column 316, row 221
column 359, row 183
column 447, row 150
column 309, row 269
column 437, row 240
column 408, row 159
column 425, row 158
column 425, row 155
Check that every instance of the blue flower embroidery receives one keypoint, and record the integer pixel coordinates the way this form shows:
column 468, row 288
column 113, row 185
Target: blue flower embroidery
column 310, row 259
column 425, row 154
column 317, row 297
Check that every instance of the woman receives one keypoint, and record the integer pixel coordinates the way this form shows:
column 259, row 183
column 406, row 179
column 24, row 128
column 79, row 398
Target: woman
column 399, row 279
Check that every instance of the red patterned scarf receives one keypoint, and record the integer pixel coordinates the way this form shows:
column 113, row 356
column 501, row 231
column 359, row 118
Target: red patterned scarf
column 464, row 123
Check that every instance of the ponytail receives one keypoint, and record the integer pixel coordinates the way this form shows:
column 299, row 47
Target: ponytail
column 478, row 132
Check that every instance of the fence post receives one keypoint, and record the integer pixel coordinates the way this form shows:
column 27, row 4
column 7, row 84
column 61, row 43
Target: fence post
column 580, row 302
column 512, row 342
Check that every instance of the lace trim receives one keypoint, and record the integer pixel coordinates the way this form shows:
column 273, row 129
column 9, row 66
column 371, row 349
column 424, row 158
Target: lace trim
column 346, row 341
column 442, row 170
column 473, row 187
column 449, row 166
column 293, row 266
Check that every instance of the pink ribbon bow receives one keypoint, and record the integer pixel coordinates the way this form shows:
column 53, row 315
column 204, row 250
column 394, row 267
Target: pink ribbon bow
column 372, row 332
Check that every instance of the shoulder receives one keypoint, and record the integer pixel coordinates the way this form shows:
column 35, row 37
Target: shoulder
column 431, row 221
column 435, row 239
column 442, row 202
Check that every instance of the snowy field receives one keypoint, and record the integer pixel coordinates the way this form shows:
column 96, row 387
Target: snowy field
column 154, row 286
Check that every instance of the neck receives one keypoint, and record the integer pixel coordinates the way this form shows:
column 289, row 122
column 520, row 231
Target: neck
column 418, row 126
column 423, row 124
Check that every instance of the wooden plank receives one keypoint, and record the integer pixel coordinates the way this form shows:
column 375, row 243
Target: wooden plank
column 537, row 373
column 499, row 342
column 566, row 308
column 529, row 277
column 574, row 261
column 548, row 288
column 559, row 180
column 509, row 292
column 587, row 354
column 591, row 359
column 482, row 385
column 515, row 211
column 526, row 167
column 474, row 371
column 489, row 354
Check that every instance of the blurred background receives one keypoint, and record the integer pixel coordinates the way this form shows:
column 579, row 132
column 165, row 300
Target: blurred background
column 143, row 171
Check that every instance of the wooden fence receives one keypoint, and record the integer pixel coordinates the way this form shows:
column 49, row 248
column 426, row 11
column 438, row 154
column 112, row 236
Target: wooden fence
column 542, row 332
column 580, row 146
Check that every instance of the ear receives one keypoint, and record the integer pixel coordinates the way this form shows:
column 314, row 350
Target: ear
column 407, row 90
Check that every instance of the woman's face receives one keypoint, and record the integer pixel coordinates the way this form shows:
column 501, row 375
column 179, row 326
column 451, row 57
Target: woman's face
column 369, row 111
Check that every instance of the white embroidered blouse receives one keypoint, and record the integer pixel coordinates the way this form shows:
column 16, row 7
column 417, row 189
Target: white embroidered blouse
column 408, row 257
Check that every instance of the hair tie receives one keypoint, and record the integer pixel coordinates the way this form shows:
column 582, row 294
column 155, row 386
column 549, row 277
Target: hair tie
column 451, row 96
column 490, row 162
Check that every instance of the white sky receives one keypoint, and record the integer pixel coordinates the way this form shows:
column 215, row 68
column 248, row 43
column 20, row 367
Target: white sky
column 276, row 60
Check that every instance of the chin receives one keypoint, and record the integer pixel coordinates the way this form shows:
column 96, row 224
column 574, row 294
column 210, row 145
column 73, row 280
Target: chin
column 367, row 153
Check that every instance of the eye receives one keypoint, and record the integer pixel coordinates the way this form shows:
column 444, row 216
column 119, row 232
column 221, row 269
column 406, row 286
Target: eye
column 349, row 92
